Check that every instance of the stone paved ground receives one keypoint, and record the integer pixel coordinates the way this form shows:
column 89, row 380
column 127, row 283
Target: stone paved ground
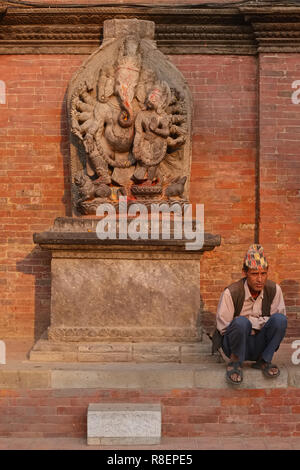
column 199, row 443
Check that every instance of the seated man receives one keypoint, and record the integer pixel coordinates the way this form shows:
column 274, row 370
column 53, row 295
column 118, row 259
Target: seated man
column 251, row 318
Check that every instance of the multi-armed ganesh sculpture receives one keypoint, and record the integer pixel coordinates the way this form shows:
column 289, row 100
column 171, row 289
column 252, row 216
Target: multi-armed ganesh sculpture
column 130, row 120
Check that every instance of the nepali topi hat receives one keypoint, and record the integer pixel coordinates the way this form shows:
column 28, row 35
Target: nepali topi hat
column 255, row 257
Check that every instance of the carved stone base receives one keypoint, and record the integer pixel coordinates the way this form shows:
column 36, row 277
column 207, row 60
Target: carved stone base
column 100, row 298
column 119, row 292
column 123, row 334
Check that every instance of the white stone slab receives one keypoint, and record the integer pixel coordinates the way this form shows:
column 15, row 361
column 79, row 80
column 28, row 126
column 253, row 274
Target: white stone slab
column 2, row 352
column 123, row 423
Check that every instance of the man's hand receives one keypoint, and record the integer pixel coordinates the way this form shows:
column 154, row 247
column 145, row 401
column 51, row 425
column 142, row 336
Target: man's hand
column 253, row 332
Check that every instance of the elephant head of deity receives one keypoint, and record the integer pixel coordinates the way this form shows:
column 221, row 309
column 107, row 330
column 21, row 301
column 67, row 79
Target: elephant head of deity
column 128, row 69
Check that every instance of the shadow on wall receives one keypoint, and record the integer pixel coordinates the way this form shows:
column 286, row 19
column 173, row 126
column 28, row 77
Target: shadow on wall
column 206, row 319
column 38, row 263
column 65, row 152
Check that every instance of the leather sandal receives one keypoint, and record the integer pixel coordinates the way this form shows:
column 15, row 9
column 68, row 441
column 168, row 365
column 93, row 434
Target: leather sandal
column 265, row 367
column 236, row 369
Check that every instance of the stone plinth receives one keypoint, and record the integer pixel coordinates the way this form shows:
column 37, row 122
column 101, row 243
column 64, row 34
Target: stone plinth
column 120, row 291
column 124, row 296
column 123, row 423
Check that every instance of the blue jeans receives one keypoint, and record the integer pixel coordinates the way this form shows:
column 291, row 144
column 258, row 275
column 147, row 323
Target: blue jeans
column 239, row 341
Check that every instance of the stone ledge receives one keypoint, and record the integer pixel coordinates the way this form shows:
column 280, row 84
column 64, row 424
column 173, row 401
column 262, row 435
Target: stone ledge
column 79, row 30
column 146, row 376
column 245, row 29
column 19, row 373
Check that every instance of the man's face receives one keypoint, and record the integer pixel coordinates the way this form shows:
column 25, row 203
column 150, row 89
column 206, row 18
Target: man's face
column 256, row 278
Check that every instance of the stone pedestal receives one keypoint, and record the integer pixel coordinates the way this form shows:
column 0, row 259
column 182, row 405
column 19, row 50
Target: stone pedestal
column 120, row 291
column 122, row 295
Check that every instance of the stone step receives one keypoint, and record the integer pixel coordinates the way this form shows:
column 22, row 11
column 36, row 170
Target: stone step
column 48, row 351
column 123, row 424
column 146, row 376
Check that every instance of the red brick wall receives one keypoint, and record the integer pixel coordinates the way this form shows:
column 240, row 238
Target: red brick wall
column 185, row 413
column 223, row 167
column 280, row 176
column 35, row 187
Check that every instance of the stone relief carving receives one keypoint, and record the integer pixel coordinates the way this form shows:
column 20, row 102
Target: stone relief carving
column 130, row 113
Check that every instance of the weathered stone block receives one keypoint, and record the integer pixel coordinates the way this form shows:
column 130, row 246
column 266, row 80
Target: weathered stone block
column 126, row 424
column 125, row 300
column 118, row 28
column 24, row 379
column 156, row 352
column 133, row 376
column 103, row 357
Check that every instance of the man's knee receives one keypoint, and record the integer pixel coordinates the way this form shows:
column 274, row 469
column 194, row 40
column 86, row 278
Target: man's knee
column 242, row 324
column 278, row 321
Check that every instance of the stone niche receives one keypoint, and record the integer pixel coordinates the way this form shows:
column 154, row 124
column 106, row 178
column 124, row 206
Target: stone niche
column 130, row 139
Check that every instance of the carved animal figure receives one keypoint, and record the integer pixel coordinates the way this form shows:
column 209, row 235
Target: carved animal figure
column 102, row 190
column 176, row 188
column 88, row 189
